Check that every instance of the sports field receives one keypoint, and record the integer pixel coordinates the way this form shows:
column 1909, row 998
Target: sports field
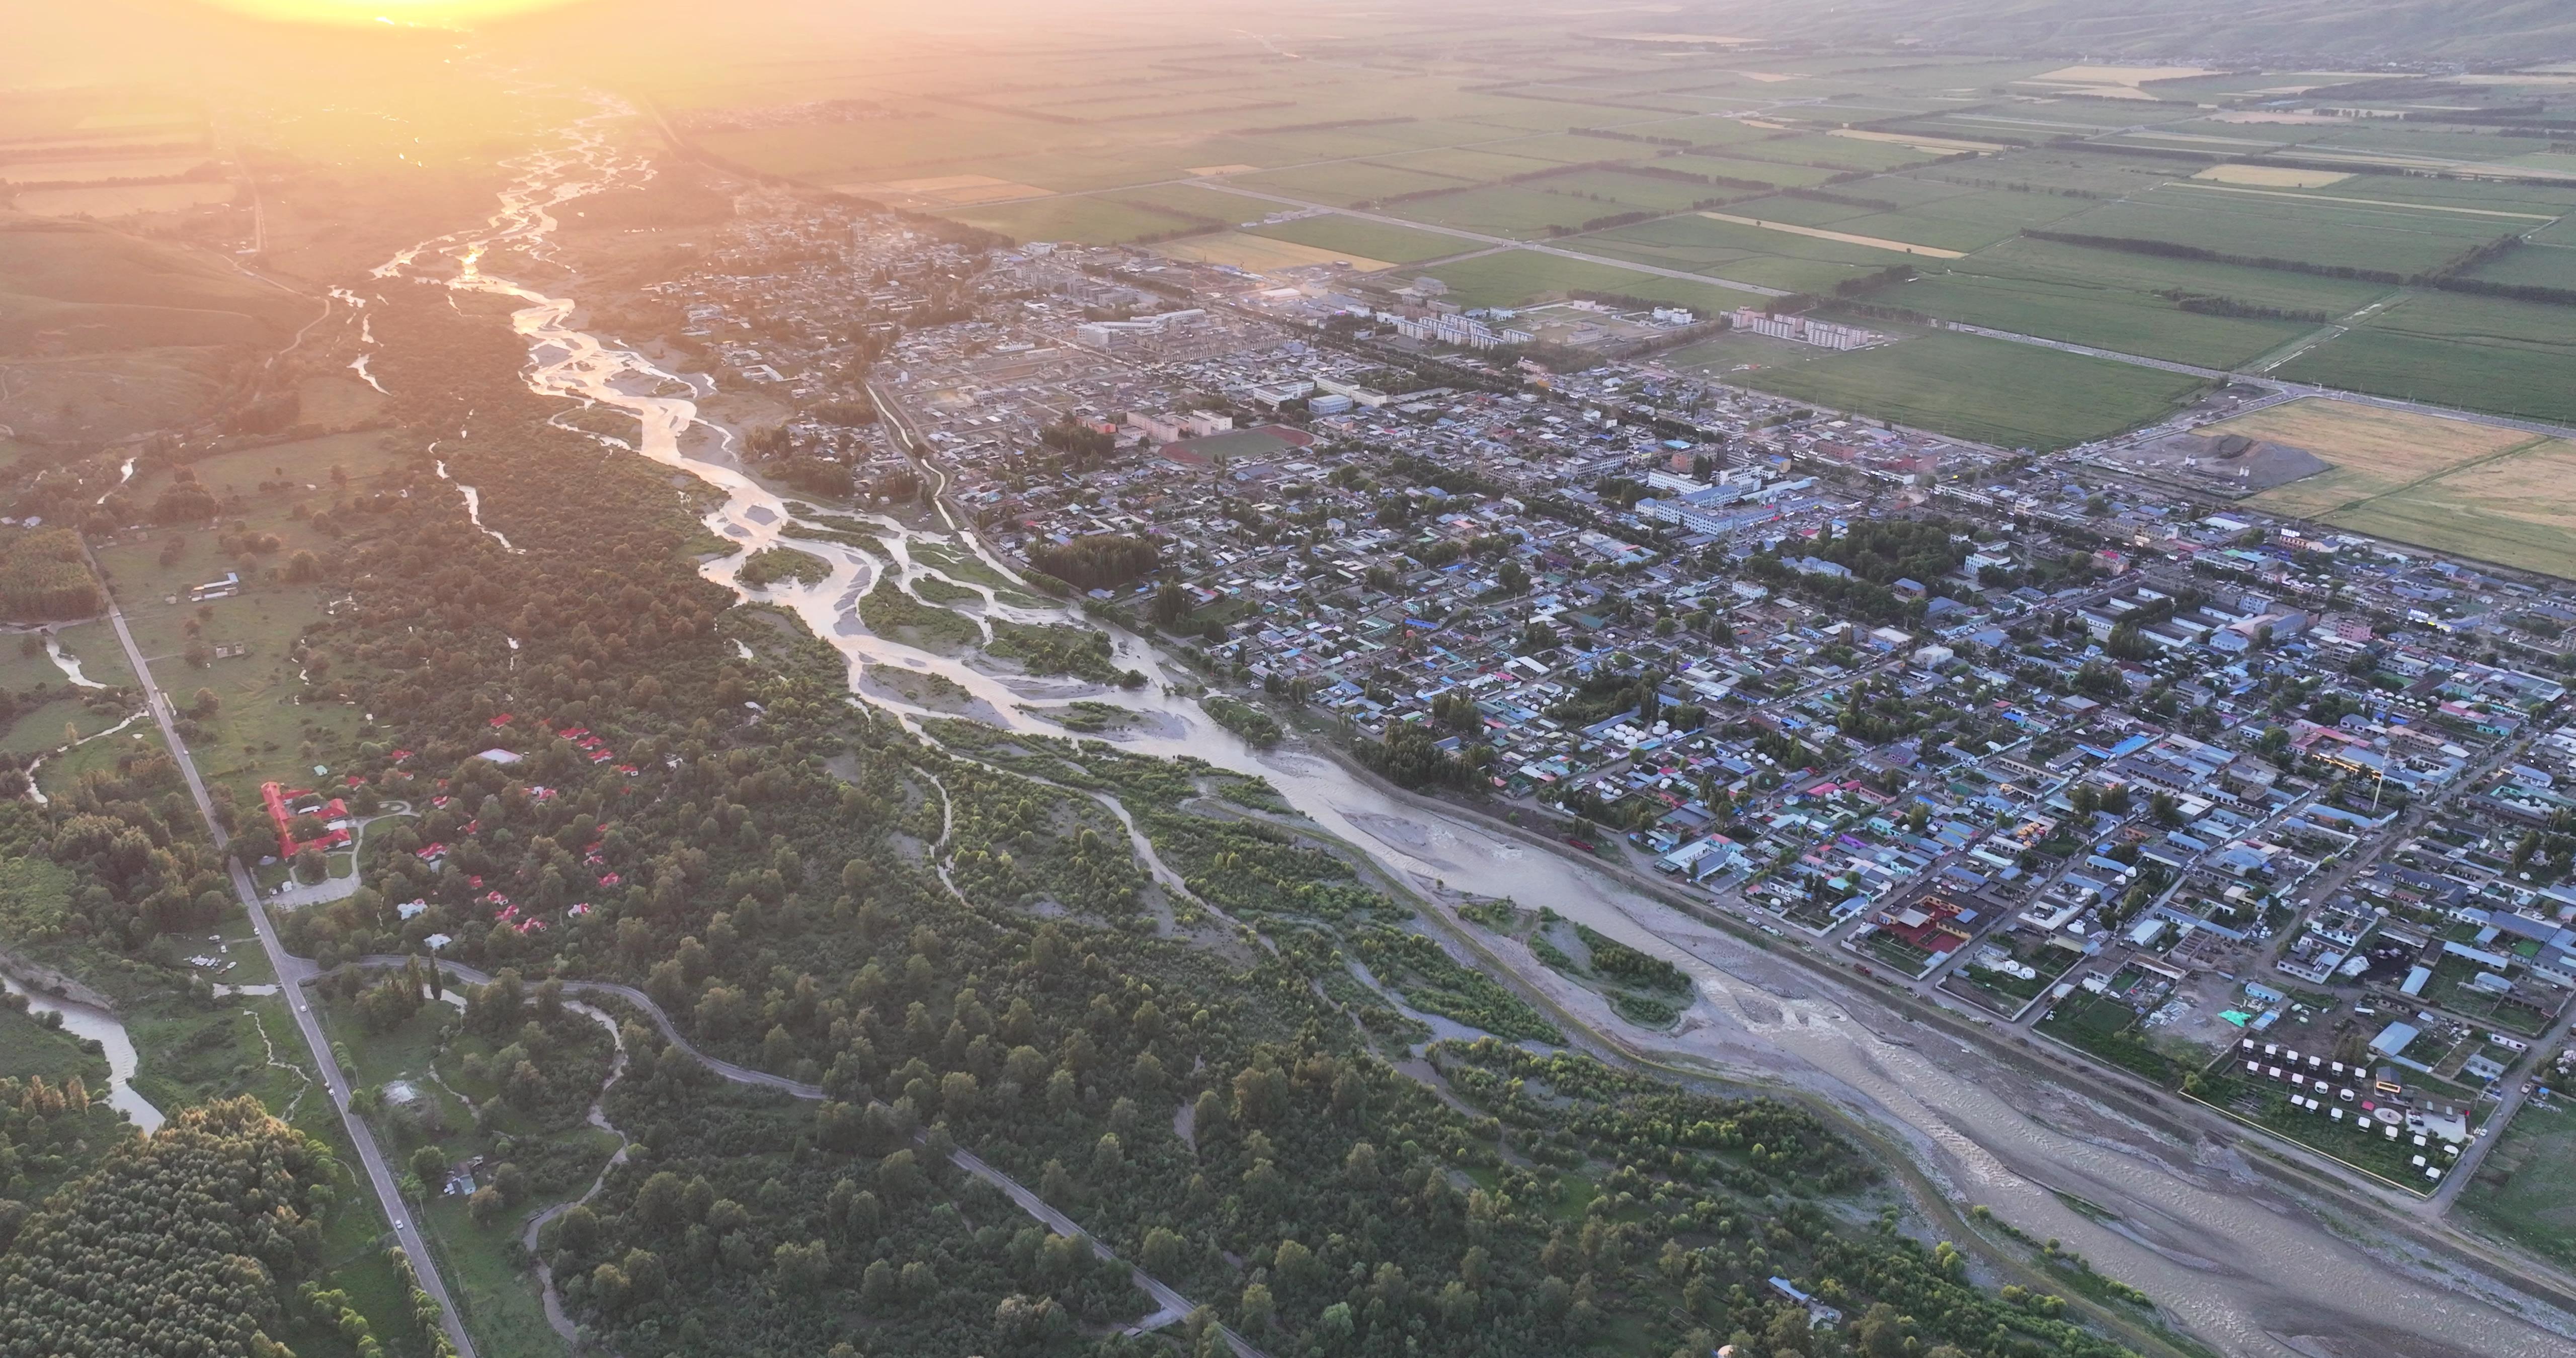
column 1991, row 391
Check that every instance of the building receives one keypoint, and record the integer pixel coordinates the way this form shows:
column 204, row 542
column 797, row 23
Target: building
column 1804, row 331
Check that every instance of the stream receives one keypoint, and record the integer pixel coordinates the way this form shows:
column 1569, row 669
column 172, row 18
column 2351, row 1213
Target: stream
column 2241, row 1265
column 106, row 1029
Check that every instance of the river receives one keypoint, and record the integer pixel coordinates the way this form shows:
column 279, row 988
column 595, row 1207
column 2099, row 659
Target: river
column 2243, row 1266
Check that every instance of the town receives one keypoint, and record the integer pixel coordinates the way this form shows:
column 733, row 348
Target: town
column 2275, row 817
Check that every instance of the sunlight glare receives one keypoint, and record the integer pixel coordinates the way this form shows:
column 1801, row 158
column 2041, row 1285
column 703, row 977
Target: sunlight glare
column 398, row 13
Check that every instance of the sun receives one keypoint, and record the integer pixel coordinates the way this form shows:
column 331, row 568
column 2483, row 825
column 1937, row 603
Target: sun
column 401, row 13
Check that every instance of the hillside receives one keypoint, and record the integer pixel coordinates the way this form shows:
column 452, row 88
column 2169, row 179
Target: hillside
column 75, row 287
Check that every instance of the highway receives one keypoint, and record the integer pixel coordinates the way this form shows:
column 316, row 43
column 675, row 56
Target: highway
column 292, row 975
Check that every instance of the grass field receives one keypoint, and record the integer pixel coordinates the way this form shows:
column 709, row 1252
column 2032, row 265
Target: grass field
column 262, row 727
column 1261, row 254
column 1371, row 240
column 120, row 200
column 2374, row 451
column 1513, row 277
column 2478, row 353
column 2262, row 226
column 2103, row 315
column 1991, row 391
column 2499, row 495
column 2526, row 1189
column 1752, row 254
column 1090, row 220
column 2518, row 509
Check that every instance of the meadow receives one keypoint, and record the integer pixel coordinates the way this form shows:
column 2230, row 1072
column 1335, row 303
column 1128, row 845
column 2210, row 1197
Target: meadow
column 263, row 728
column 1991, row 391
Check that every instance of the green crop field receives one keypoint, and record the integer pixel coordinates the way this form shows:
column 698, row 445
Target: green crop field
column 1478, row 166
column 2478, row 353
column 2120, row 269
column 2335, row 235
column 1752, row 254
column 1090, row 220
column 1992, row 391
column 1759, row 171
column 1343, row 185
column 1514, row 277
column 2547, row 266
column 2526, row 1189
column 2103, row 316
column 1841, row 153
column 1367, row 239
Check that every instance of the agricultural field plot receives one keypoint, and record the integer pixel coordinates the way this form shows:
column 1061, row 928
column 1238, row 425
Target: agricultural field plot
column 2374, row 450
column 1840, row 153
column 1966, row 222
column 2543, row 266
column 2478, row 353
column 1734, row 349
column 2101, row 315
column 2525, row 1189
column 1515, row 277
column 1199, row 200
column 1372, row 240
column 2499, row 495
column 1753, row 254
column 1262, row 254
column 1348, row 184
column 1770, row 172
column 2084, row 266
column 96, row 170
column 1088, row 219
column 120, row 291
column 2337, row 235
column 122, row 200
column 1991, row 391
column 1479, row 166
column 1554, row 205
column 2515, row 510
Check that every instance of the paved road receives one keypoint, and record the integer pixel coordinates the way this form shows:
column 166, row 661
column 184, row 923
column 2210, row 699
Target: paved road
column 1171, row 1305
column 292, row 973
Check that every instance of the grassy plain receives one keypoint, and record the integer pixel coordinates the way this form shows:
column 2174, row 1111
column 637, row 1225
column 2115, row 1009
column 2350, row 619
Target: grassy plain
column 1373, row 240
column 1262, row 254
column 263, row 724
column 2526, row 1189
column 2479, row 353
column 1991, row 391
column 1513, row 277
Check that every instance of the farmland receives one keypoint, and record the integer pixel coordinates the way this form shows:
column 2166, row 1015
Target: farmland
column 1355, row 236
column 2478, row 353
column 1988, row 390
column 2166, row 213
